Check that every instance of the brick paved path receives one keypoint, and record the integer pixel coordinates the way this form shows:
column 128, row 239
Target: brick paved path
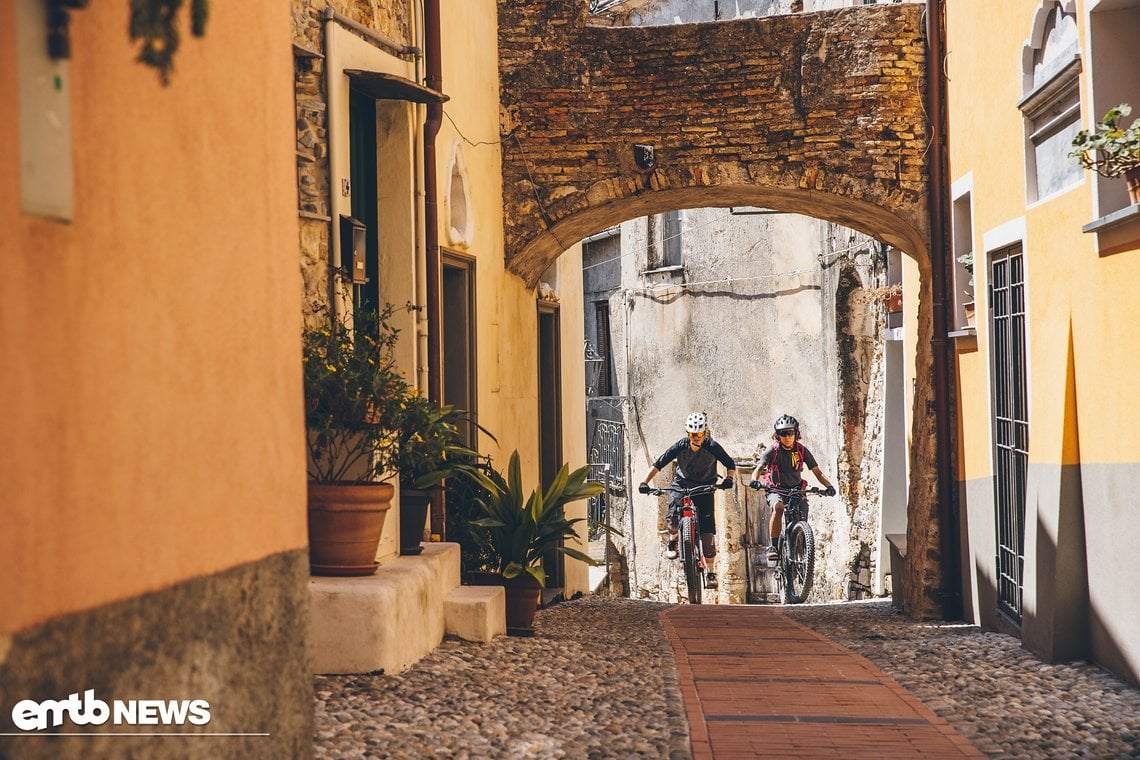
column 756, row 684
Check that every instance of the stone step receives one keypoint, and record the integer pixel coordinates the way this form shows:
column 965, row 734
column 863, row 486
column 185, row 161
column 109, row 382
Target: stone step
column 386, row 621
column 475, row 613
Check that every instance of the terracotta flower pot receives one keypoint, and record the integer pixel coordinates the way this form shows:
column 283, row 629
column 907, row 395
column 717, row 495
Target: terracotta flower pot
column 1132, row 177
column 345, row 523
column 522, row 594
column 414, row 505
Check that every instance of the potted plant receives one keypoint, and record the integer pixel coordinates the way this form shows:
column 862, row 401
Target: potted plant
column 967, row 260
column 519, row 532
column 429, row 451
column 354, row 401
column 1110, row 150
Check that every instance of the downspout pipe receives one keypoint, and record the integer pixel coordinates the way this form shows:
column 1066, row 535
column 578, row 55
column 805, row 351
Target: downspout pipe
column 432, row 124
column 950, row 593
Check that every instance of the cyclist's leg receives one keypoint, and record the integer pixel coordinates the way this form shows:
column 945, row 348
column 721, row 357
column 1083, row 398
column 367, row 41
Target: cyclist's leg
column 775, row 524
column 672, row 519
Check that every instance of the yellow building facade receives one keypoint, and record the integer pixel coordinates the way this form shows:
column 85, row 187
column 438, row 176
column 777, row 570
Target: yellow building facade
column 509, row 356
column 152, row 531
column 1048, row 426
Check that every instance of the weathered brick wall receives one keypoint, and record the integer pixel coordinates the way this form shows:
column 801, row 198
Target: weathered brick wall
column 818, row 113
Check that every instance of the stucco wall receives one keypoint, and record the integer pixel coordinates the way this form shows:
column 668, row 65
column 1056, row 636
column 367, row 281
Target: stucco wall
column 152, row 400
column 747, row 332
column 1081, row 353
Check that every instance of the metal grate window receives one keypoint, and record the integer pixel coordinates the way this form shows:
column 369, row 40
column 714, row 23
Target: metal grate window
column 1010, row 424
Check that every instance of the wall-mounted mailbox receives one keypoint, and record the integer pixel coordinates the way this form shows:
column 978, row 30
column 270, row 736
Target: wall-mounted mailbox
column 353, row 241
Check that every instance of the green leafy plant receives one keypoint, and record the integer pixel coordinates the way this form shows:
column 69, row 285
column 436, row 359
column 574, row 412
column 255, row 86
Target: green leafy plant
column 153, row 22
column 355, row 396
column 430, row 442
column 463, row 495
column 520, row 532
column 1109, row 149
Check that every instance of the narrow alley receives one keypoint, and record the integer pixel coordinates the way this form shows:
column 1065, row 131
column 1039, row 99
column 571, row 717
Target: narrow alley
column 601, row 680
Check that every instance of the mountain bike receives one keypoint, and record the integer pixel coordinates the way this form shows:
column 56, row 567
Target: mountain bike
column 689, row 538
column 795, row 566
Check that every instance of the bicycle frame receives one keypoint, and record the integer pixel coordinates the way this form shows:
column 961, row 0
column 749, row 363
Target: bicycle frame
column 689, row 538
column 795, row 567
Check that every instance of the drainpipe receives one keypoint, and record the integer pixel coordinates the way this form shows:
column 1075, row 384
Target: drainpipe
column 334, row 119
column 432, row 124
column 950, row 595
column 431, row 206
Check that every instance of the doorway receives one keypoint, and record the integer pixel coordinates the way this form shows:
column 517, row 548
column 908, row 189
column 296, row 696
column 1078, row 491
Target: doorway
column 550, row 418
column 1010, row 423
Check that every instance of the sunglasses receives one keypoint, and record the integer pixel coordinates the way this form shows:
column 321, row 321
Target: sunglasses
column 784, row 433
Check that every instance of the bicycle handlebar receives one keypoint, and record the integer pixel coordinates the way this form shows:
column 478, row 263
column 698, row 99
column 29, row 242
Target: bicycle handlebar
column 693, row 491
column 813, row 490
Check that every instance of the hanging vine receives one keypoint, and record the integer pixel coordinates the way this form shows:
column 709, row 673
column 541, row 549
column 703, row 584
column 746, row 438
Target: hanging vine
column 153, row 22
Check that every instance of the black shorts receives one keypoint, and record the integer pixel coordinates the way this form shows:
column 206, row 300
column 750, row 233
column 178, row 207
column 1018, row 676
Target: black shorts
column 705, row 512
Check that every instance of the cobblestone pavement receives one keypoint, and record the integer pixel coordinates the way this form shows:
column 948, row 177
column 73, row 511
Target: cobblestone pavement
column 599, row 681
column 1002, row 698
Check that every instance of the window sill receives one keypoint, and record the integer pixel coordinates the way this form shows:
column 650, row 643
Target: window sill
column 965, row 338
column 1115, row 219
column 665, row 270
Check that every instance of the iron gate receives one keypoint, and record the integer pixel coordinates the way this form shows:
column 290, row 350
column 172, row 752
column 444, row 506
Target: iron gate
column 1010, row 424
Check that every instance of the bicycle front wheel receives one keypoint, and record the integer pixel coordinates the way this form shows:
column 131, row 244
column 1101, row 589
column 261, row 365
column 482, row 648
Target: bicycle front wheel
column 800, row 567
column 689, row 559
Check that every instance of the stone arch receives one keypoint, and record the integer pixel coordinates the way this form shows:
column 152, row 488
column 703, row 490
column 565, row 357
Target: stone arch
column 820, row 113
column 541, row 251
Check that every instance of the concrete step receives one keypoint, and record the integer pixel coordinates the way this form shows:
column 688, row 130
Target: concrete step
column 475, row 613
column 387, row 621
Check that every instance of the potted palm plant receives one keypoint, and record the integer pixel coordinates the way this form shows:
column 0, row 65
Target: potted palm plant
column 519, row 531
column 430, row 449
column 354, row 401
column 1110, row 150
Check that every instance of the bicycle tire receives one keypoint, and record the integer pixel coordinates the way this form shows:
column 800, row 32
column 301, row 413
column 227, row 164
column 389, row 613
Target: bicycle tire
column 800, row 567
column 689, row 560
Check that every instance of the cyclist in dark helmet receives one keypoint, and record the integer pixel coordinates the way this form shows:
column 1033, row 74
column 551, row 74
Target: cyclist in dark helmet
column 696, row 455
column 780, row 467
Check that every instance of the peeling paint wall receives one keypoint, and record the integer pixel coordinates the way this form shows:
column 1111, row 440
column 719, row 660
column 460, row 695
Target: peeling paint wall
column 767, row 315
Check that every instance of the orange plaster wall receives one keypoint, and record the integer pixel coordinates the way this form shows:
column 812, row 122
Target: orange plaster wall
column 150, row 387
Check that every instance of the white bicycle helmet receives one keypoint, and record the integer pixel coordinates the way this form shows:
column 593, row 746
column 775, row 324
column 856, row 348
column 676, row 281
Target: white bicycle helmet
column 786, row 422
column 697, row 422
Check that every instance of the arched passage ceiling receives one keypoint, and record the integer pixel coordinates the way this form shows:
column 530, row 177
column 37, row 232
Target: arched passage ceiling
column 818, row 113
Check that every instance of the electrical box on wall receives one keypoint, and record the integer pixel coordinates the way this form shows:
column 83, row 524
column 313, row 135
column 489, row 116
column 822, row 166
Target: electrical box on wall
column 44, row 102
column 353, row 242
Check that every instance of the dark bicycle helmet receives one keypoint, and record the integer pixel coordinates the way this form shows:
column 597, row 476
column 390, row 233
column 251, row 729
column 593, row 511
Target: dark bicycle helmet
column 786, row 422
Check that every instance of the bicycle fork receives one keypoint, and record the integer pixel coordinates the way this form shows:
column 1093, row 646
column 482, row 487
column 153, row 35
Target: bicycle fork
column 687, row 511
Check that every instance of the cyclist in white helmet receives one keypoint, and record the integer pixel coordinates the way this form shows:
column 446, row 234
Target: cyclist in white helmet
column 780, row 467
column 696, row 455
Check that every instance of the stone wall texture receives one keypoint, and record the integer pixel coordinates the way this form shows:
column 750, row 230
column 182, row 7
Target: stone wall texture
column 236, row 639
column 818, row 113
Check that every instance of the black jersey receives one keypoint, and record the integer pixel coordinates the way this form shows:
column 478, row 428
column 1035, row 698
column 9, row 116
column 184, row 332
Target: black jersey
column 695, row 468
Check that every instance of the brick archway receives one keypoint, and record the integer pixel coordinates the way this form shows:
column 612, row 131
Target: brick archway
column 820, row 114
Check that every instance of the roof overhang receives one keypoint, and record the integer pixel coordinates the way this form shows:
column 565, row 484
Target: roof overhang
column 391, row 87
